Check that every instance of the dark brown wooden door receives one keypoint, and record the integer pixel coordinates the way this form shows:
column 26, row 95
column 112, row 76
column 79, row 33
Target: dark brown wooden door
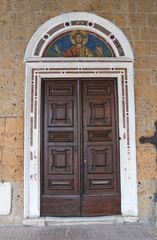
column 79, row 145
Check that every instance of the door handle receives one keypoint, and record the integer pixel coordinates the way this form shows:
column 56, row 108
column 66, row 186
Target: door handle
column 85, row 160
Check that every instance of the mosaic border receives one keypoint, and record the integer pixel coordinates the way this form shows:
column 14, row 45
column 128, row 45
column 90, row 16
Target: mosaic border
column 79, row 23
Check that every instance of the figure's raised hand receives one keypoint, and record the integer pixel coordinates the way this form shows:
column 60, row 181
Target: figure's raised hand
column 56, row 48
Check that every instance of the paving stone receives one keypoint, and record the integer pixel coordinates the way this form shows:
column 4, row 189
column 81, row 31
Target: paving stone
column 81, row 232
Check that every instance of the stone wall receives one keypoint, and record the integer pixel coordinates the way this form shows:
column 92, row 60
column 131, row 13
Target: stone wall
column 19, row 19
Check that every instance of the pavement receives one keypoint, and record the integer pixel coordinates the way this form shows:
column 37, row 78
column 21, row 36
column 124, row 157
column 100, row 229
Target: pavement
column 131, row 231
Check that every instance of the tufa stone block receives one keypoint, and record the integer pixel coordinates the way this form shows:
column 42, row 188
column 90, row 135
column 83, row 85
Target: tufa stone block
column 145, row 6
column 109, row 5
column 127, row 6
column 9, row 108
column 92, row 5
column 26, row 19
column 18, row 48
column 17, row 5
column 135, row 33
column 153, row 62
column 137, row 19
column 150, row 123
column 11, row 168
column 148, row 92
column 4, row 48
column 140, row 124
column 2, row 126
column 154, row 48
column 42, row 17
column 142, row 48
column 120, row 19
column 142, row 62
column 153, row 107
column 6, row 92
column 149, row 34
column 14, row 140
column 145, row 153
column 21, row 109
column 147, row 187
column 152, row 20
column 54, row 5
column 142, row 107
column 19, row 92
column 154, row 77
column 7, row 63
column 1, row 33
column 54, row 14
column 30, row 31
column 8, row 19
column 74, row 5
column 19, row 65
column 154, row 214
column 18, row 34
column 17, row 78
column 146, row 170
column 144, row 206
column 127, row 32
column 14, row 125
column 107, row 15
column 142, row 77
column 5, row 6
column 33, row 5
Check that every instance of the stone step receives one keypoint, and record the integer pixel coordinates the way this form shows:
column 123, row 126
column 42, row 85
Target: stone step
column 51, row 221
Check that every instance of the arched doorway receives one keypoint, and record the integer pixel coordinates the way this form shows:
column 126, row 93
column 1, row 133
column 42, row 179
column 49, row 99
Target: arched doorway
column 46, row 70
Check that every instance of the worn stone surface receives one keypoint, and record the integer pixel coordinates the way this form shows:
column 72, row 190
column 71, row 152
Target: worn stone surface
column 154, row 48
column 146, row 153
column 154, row 214
column 152, row 20
column 73, row 5
column 120, row 19
column 144, row 206
column 142, row 77
column 154, row 77
column 11, row 168
column 110, row 5
column 147, row 170
column 92, row 5
column 108, row 15
column 142, row 48
column 80, row 232
column 148, row 34
column 145, row 6
column 138, row 19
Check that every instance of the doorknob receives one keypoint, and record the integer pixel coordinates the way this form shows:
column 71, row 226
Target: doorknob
column 85, row 160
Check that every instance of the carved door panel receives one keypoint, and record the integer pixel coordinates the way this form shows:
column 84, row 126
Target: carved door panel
column 80, row 160
column 60, row 165
column 100, row 155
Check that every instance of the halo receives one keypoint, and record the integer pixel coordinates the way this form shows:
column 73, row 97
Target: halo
column 84, row 33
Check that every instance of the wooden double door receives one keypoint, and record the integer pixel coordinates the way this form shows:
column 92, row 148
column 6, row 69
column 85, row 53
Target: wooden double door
column 79, row 148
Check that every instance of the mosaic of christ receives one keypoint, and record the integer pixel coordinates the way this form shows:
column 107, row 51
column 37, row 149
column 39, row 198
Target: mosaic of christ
column 78, row 43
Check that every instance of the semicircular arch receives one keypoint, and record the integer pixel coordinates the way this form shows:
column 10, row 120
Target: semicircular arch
column 67, row 22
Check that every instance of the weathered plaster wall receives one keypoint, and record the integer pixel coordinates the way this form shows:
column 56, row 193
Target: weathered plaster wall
column 19, row 19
